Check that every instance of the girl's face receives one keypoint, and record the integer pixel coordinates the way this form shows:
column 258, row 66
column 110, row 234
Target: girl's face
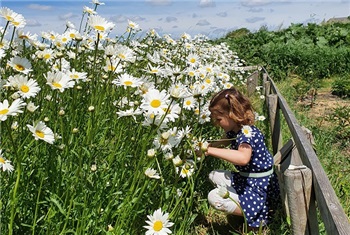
column 224, row 121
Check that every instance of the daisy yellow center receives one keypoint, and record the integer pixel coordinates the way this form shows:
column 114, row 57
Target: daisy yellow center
column 9, row 18
column 111, row 68
column 121, row 56
column 208, row 80
column 55, row 84
column 185, row 171
column 64, row 39
column 128, row 83
column 191, row 74
column 72, row 35
column 155, row 103
column 246, row 132
column 47, row 56
column 40, row 133
column 25, row 88
column 19, row 67
column 4, row 111
column 158, row 225
column 154, row 71
column 193, row 60
column 15, row 23
column 99, row 27
column 23, row 37
column 74, row 76
column 2, row 161
column 188, row 102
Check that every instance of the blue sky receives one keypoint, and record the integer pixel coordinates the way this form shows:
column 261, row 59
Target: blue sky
column 213, row 18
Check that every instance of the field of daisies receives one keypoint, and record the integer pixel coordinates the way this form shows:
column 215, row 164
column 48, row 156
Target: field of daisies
column 99, row 134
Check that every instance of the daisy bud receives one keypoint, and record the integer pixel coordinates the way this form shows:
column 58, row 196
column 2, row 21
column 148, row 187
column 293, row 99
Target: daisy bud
column 151, row 153
column 61, row 112
column 91, row 108
column 15, row 96
column 93, row 167
column 31, row 107
column 204, row 146
column 177, row 161
column 62, row 146
column 75, row 130
column 46, row 119
column 110, row 228
column 14, row 126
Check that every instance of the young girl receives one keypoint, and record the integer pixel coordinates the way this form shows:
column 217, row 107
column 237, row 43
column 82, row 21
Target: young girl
column 255, row 186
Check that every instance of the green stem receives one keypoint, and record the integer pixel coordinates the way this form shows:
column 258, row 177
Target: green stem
column 37, row 206
column 14, row 199
column 245, row 230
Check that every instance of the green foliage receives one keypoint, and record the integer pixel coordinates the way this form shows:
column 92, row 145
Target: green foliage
column 341, row 86
column 339, row 117
column 304, row 50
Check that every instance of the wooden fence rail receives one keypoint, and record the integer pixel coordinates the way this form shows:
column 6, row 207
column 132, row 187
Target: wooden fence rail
column 305, row 187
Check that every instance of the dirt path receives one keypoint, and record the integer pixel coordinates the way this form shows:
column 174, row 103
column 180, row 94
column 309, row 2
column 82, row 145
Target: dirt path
column 325, row 103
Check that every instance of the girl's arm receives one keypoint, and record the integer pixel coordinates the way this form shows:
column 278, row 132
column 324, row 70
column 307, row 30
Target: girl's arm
column 239, row 157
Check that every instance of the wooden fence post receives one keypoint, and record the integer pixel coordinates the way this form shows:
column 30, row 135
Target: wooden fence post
column 275, row 122
column 252, row 82
column 298, row 185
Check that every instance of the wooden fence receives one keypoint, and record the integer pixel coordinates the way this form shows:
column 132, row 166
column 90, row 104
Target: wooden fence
column 306, row 191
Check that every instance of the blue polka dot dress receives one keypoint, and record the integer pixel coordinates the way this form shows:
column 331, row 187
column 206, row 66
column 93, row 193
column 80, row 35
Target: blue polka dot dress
column 258, row 196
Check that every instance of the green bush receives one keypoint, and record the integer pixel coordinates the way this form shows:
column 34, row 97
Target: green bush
column 341, row 86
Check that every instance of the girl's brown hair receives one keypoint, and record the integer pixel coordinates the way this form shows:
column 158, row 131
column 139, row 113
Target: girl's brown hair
column 233, row 103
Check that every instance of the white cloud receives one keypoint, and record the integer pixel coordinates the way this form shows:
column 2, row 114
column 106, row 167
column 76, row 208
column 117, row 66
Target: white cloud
column 169, row 19
column 32, row 23
column 67, row 16
column 253, row 3
column 119, row 19
column 159, row 2
column 203, row 23
column 222, row 14
column 39, row 7
column 207, row 3
column 255, row 19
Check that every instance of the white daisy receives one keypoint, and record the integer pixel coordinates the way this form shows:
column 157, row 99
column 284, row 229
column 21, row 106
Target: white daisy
column 124, row 53
column 26, row 88
column 59, row 81
column 155, row 101
column 247, row 131
column 42, row 132
column 99, row 24
column 158, row 223
column 133, row 25
column 192, row 60
column 12, row 110
column 127, row 80
column 189, row 103
column 20, row 64
column 222, row 191
column 89, row 10
column 75, row 75
column 178, row 91
column 187, row 169
column 152, row 173
column 5, row 165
